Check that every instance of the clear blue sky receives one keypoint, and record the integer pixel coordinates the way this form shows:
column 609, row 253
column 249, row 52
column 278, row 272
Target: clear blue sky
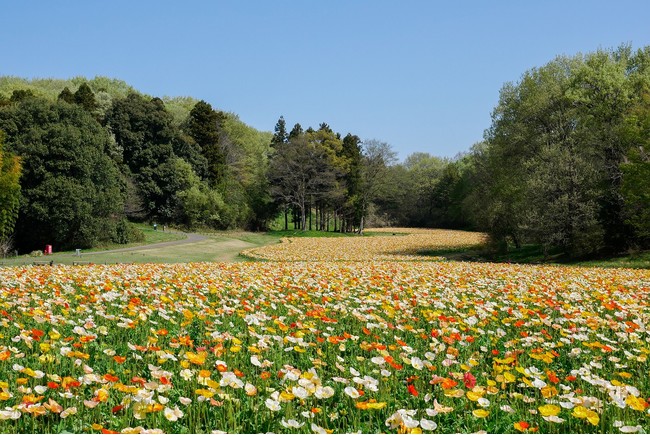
column 420, row 75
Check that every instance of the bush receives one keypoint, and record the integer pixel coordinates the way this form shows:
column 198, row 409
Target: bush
column 125, row 232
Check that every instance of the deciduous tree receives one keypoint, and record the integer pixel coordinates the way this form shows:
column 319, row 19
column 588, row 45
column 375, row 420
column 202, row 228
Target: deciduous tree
column 300, row 171
column 377, row 157
column 10, row 170
column 70, row 187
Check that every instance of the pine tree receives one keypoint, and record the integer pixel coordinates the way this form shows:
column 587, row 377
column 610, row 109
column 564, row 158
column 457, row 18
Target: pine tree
column 85, row 97
column 204, row 126
column 66, row 95
column 295, row 131
column 280, row 137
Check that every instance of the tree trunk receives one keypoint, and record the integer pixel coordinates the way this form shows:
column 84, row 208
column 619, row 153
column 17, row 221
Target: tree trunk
column 303, row 218
column 286, row 218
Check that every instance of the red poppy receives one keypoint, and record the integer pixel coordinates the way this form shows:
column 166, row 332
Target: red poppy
column 37, row 334
column 469, row 380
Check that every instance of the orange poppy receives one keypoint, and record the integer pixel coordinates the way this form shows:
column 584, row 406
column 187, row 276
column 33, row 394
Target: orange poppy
column 111, row 378
column 448, row 384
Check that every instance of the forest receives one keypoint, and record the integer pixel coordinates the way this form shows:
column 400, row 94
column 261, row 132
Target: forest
column 565, row 164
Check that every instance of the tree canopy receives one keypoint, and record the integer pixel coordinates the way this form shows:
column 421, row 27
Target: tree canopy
column 71, row 193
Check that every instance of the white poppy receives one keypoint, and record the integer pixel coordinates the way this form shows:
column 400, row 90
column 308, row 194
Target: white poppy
column 352, row 392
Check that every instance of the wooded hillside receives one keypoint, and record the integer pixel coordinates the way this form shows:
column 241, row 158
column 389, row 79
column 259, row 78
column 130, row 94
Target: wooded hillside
column 564, row 164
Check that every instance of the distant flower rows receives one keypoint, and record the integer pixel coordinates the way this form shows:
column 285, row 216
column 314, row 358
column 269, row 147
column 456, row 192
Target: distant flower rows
column 399, row 244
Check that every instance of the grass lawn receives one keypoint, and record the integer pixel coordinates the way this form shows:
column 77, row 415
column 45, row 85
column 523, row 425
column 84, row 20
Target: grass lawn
column 150, row 236
column 534, row 254
column 70, row 257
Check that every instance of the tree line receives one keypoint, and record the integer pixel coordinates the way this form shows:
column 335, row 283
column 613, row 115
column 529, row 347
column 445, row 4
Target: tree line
column 319, row 174
column 75, row 172
column 79, row 166
column 565, row 164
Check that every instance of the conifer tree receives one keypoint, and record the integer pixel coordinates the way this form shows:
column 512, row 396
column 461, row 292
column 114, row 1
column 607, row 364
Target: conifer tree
column 66, row 95
column 280, row 137
column 295, row 131
column 85, row 97
column 204, row 126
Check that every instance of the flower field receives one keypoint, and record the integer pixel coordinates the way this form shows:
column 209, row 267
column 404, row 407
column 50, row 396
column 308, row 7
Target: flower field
column 406, row 245
column 296, row 347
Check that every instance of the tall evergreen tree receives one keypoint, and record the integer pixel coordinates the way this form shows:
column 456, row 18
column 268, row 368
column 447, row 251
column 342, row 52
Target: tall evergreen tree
column 280, row 136
column 66, row 95
column 204, row 125
column 85, row 97
column 295, row 131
